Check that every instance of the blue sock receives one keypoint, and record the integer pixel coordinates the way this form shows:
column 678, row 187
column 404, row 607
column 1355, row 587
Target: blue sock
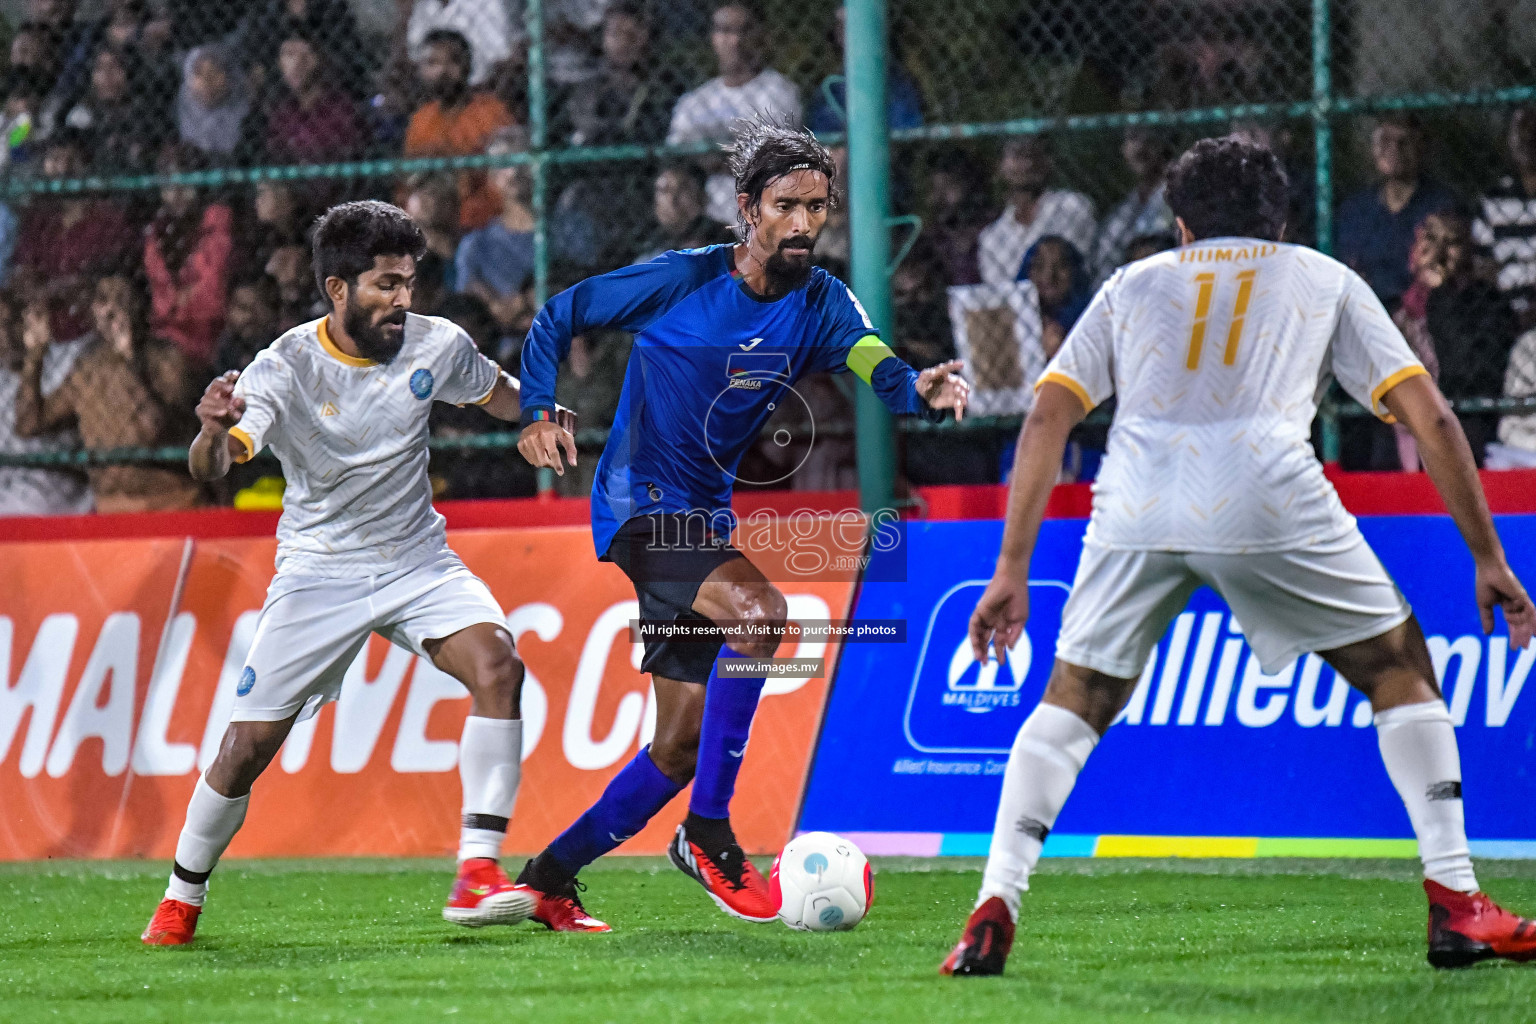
column 633, row 798
column 729, row 704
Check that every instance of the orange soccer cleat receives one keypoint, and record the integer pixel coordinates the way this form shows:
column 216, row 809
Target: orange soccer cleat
column 983, row 949
column 1467, row 927
column 173, row 924
column 482, row 895
column 727, row 875
column 560, row 909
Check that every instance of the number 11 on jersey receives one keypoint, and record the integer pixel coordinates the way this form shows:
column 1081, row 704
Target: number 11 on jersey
column 1207, row 288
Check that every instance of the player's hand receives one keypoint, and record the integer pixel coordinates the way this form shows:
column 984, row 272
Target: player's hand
column 942, row 387
column 36, row 329
column 1497, row 585
column 220, row 408
column 542, row 442
column 999, row 617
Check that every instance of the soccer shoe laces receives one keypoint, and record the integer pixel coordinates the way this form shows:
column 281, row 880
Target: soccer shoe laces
column 730, row 864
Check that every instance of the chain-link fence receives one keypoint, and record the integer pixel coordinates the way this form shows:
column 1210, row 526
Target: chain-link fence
column 163, row 157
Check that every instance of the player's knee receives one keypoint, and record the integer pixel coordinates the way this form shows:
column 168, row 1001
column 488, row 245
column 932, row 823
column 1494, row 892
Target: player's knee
column 244, row 753
column 675, row 753
column 496, row 677
column 763, row 610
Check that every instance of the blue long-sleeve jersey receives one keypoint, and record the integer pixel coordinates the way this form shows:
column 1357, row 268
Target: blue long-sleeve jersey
column 710, row 363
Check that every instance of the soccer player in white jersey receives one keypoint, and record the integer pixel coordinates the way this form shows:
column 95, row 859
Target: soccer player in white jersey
column 1218, row 353
column 343, row 402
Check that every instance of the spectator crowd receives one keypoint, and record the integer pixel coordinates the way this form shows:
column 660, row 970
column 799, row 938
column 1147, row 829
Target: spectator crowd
column 118, row 307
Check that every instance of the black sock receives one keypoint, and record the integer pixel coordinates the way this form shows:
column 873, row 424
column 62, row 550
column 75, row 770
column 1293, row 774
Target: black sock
column 546, row 874
column 713, row 835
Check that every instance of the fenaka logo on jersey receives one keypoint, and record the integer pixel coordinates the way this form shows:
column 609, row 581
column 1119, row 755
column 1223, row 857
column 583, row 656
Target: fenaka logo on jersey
column 329, row 409
column 748, row 370
column 421, row 384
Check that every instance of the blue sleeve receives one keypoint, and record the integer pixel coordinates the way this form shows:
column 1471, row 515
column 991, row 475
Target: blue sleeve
column 851, row 342
column 628, row 299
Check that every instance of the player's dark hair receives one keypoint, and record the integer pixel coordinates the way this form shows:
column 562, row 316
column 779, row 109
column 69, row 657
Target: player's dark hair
column 454, row 40
column 1231, row 186
column 766, row 150
column 348, row 237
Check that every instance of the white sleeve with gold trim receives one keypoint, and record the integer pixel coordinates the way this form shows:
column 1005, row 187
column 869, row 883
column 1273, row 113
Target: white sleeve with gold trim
column 1370, row 355
column 1085, row 363
column 266, row 385
column 466, row 376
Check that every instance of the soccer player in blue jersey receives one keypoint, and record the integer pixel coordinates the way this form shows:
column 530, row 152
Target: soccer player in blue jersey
column 721, row 335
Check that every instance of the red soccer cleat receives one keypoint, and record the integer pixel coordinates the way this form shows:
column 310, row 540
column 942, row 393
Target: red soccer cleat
column 482, row 895
column 173, row 924
column 1467, row 927
column 730, row 878
column 984, row 947
column 562, row 911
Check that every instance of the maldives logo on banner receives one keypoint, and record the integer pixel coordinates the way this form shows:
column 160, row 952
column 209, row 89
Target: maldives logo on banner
column 121, row 661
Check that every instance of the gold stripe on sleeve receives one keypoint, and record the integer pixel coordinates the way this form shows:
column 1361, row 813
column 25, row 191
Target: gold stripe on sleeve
column 1391, row 382
column 1056, row 377
column 245, row 440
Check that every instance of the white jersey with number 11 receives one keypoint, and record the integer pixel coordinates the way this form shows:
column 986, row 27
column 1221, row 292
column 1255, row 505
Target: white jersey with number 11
column 1217, row 354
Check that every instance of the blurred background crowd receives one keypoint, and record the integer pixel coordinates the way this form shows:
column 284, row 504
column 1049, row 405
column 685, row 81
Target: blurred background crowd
column 120, row 303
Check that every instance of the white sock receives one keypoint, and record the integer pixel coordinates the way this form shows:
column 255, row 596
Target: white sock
column 1418, row 746
column 212, row 821
column 490, row 768
column 1052, row 746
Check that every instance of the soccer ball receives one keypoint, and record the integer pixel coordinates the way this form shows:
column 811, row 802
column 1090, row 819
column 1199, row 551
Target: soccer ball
column 822, row 883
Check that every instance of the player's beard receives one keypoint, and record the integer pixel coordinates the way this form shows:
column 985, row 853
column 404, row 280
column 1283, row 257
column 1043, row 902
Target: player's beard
column 372, row 339
column 786, row 273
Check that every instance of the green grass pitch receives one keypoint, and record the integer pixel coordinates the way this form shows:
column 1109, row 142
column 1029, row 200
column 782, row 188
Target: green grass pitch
column 1202, row 941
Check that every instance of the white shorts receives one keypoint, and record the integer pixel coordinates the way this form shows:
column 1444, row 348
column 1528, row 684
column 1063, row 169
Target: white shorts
column 1288, row 602
column 311, row 630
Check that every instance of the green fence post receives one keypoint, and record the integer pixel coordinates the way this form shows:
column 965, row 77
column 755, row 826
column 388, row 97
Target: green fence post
column 538, row 137
column 869, row 203
column 1322, row 135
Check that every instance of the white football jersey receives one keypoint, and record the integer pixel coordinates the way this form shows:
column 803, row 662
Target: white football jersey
column 351, row 435
column 1217, row 354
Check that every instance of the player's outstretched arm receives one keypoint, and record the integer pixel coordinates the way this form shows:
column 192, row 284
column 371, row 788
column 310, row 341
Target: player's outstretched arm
column 214, row 448
column 1001, row 613
column 1418, row 405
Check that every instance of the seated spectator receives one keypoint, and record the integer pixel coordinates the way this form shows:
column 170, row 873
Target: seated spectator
column 433, row 204
column 124, row 123
column 628, row 102
column 1142, row 246
column 1461, row 327
column 250, row 323
column 73, row 40
column 35, row 65
column 485, row 21
column 1060, row 276
column 214, row 103
column 745, row 87
column 310, row 120
column 1143, row 211
column 1375, row 227
column 136, row 27
column 953, row 217
column 678, row 206
column 278, row 218
column 35, row 490
column 1506, row 223
column 23, row 90
column 1033, row 210
column 128, row 388
column 903, row 100
column 328, row 23
column 298, row 296
column 456, row 120
column 495, row 263
column 920, row 307
column 1516, row 447
column 188, row 251
column 65, row 241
